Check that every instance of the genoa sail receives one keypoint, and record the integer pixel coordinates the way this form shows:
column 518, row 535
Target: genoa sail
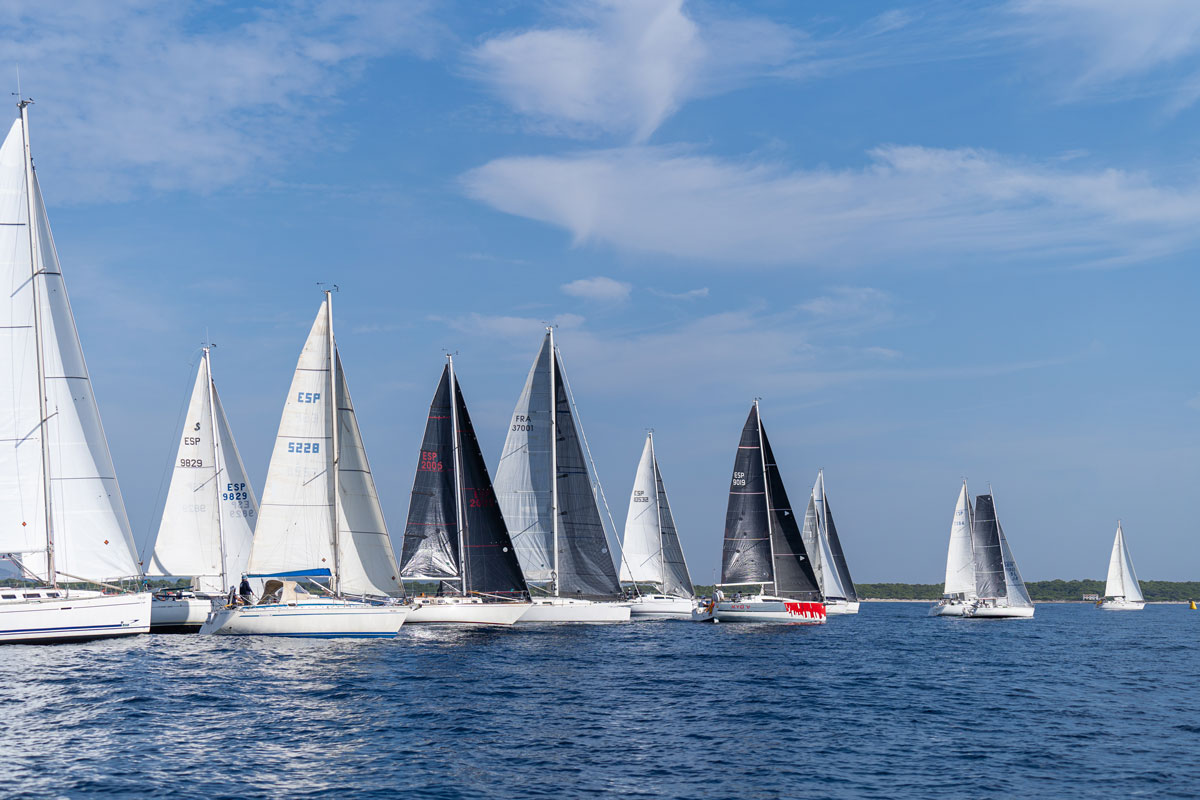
column 1122, row 580
column 63, row 457
column 960, row 559
column 794, row 576
column 677, row 580
column 819, row 544
column 1018, row 595
column 746, row 553
column 839, row 557
column 989, row 559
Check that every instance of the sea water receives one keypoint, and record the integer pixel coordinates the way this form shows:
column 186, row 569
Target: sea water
column 890, row 704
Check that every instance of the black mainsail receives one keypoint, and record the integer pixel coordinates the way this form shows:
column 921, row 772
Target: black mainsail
column 989, row 556
column 746, row 554
column 430, row 549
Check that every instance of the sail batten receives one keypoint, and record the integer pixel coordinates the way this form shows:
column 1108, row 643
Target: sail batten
column 746, row 551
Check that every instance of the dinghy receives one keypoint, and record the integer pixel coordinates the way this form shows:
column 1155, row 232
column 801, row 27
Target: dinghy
column 824, row 547
column 455, row 531
column 1122, row 592
column 650, row 550
column 959, row 590
column 320, row 517
column 62, row 519
column 208, row 517
column 999, row 590
column 763, row 543
column 547, row 496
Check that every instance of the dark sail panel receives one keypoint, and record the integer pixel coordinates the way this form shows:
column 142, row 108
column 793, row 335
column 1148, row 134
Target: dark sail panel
column 989, row 557
column 746, row 555
column 491, row 564
column 585, row 564
column 839, row 558
column 675, row 572
column 794, row 576
column 430, row 547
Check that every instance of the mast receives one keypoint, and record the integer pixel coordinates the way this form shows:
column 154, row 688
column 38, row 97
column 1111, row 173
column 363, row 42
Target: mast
column 216, row 442
column 762, row 452
column 662, row 555
column 553, row 455
column 456, row 456
column 334, row 459
column 31, row 223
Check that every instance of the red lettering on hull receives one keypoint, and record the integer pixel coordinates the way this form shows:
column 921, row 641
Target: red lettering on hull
column 805, row 610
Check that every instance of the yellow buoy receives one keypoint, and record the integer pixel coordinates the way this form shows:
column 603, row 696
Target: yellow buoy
column 1192, row 605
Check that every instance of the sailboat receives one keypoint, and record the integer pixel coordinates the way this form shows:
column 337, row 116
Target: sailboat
column 959, row 589
column 824, row 547
column 320, row 517
column 763, row 543
column 547, row 497
column 1122, row 592
column 62, row 519
column 650, row 550
column 999, row 590
column 208, row 517
column 455, row 532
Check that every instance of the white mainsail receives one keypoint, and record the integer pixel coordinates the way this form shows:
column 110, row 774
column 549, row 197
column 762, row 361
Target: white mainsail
column 642, row 542
column 208, row 517
column 56, row 452
column 1122, row 580
column 816, row 542
column 318, row 474
column 960, row 558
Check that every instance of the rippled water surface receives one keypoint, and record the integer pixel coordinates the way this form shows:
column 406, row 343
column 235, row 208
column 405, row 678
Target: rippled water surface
column 889, row 704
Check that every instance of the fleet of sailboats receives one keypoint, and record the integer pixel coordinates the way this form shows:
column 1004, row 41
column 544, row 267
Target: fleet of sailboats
column 1122, row 592
column 533, row 547
column 208, row 517
column 651, row 554
column 62, row 518
column 455, row 533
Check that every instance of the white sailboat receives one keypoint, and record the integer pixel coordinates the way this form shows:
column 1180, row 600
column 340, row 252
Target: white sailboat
column 651, row 551
column 763, row 544
column 824, row 547
column 62, row 519
column 959, row 590
column 999, row 590
column 545, row 491
column 1122, row 592
column 320, row 517
column 455, row 532
column 208, row 517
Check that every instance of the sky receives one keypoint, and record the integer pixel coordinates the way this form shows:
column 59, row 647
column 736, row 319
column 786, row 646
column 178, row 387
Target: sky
column 939, row 240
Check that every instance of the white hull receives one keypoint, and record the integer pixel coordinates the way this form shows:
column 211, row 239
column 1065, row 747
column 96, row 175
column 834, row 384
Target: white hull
column 770, row 609
column 1120, row 604
column 73, row 616
column 953, row 608
column 318, row 619
column 451, row 611
column 661, row 606
column 178, row 614
column 835, row 608
column 1000, row 612
column 564, row 609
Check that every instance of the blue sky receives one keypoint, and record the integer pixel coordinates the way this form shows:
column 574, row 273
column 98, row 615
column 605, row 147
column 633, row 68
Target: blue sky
column 938, row 241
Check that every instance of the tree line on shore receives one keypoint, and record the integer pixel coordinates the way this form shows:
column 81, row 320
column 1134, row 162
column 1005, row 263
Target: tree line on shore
column 1044, row 591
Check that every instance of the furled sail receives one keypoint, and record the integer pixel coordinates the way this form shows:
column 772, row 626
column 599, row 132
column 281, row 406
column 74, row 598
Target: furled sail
column 296, row 530
column 89, row 529
column 491, row 560
column 650, row 548
column 1122, row 580
column 430, row 549
column 989, row 559
column 794, row 576
column 208, row 518
column 960, row 558
column 746, row 553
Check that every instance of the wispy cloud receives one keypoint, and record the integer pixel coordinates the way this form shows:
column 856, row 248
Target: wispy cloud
column 690, row 294
column 599, row 288
column 191, row 95
column 913, row 203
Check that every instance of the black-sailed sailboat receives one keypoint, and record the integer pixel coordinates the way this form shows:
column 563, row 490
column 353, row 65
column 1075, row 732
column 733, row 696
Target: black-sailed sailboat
column 456, row 533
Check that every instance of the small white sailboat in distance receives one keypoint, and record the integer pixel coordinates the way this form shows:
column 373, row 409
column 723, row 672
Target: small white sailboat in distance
column 824, row 549
column 999, row 590
column 208, row 517
column 549, row 504
column 959, row 591
column 455, row 532
column 651, row 553
column 62, row 519
column 320, row 517
column 1122, row 592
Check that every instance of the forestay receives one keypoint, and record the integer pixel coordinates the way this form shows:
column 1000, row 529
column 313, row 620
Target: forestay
column 960, row 559
column 1122, row 580
column 89, row 527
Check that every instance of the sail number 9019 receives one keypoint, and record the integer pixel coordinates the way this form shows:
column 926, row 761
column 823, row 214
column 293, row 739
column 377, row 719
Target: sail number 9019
column 739, row 479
